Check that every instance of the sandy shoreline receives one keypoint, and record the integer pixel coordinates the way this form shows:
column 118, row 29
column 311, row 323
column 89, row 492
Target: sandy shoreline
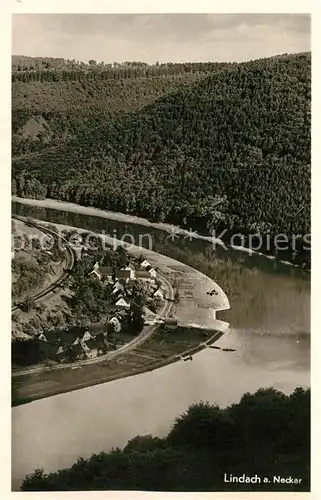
column 218, row 302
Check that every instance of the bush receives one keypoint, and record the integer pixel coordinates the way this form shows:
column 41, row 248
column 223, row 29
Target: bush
column 28, row 304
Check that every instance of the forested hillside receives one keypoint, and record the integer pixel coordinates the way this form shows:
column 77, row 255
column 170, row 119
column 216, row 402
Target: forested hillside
column 265, row 434
column 198, row 144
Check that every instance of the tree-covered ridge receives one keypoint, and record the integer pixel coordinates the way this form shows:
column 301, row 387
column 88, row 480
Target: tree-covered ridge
column 266, row 433
column 70, row 102
column 89, row 87
column 25, row 64
column 90, row 92
column 240, row 134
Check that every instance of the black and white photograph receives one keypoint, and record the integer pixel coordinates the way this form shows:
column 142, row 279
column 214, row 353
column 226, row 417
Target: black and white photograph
column 160, row 252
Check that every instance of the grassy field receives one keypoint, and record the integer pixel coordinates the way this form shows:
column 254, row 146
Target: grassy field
column 163, row 348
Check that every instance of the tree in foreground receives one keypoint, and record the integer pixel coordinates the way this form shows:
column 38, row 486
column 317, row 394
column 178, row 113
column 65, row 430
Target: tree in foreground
column 266, row 433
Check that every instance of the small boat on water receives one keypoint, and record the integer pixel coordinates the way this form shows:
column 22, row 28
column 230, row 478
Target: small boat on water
column 220, row 348
column 188, row 358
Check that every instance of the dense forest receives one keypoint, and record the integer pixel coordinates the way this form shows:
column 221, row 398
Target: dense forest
column 266, row 433
column 213, row 145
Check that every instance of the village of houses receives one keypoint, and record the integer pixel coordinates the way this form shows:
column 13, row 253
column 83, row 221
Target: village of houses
column 80, row 342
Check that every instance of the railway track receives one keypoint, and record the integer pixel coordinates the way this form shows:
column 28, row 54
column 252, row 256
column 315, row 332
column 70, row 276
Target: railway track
column 71, row 257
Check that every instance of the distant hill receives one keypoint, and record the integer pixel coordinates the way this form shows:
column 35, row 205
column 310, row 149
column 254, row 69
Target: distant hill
column 197, row 144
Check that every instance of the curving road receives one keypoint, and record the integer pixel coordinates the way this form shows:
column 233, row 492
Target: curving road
column 71, row 257
column 146, row 332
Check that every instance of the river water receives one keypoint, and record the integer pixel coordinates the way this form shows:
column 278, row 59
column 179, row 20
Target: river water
column 269, row 328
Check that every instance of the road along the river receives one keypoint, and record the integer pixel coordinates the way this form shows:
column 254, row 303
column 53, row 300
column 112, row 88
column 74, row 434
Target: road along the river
column 146, row 332
column 195, row 308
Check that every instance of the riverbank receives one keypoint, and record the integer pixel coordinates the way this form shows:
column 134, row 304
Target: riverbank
column 129, row 372
column 80, row 209
column 195, row 308
column 142, row 337
column 132, row 219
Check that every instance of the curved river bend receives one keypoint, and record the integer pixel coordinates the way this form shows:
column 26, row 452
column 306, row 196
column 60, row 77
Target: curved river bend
column 269, row 328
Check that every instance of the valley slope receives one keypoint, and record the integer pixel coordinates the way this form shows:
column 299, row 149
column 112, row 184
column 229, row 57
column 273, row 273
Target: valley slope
column 224, row 146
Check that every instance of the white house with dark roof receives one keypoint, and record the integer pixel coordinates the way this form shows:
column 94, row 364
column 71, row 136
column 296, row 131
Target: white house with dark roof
column 118, row 287
column 159, row 294
column 117, row 324
column 117, row 296
column 96, row 273
column 107, row 273
column 131, row 269
column 85, row 348
column 93, row 349
column 86, row 337
column 127, row 273
column 61, row 354
column 122, row 303
column 152, row 272
column 145, row 264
